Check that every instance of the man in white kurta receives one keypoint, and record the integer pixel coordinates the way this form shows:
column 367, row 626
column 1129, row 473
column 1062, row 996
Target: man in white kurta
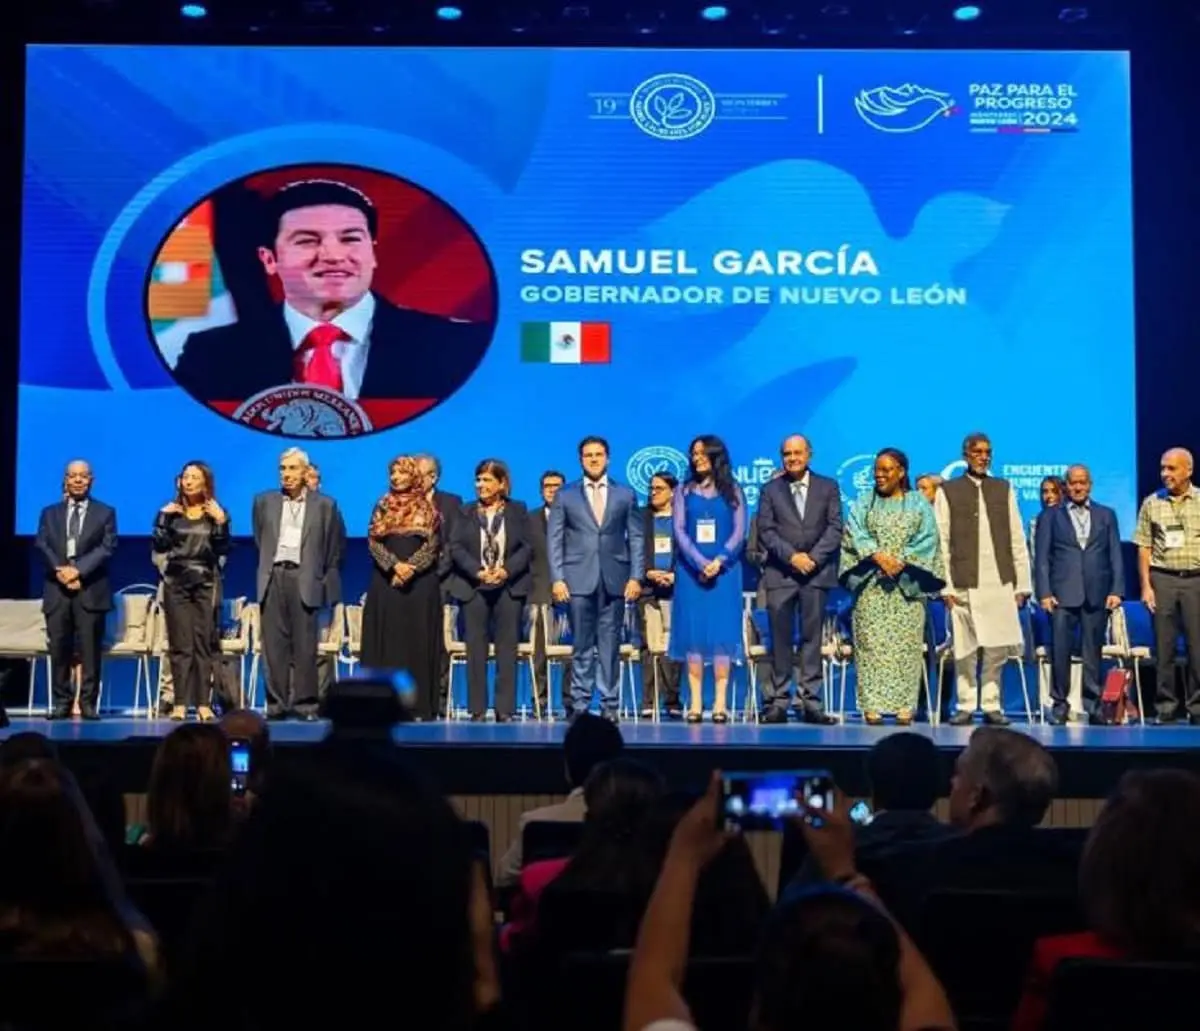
column 984, row 605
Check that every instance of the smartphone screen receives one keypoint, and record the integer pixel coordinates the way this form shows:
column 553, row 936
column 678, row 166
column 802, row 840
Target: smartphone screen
column 861, row 813
column 765, row 801
column 239, row 765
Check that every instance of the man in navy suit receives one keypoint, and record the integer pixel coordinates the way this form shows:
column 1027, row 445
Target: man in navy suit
column 76, row 537
column 332, row 329
column 596, row 545
column 1079, row 578
column 800, row 526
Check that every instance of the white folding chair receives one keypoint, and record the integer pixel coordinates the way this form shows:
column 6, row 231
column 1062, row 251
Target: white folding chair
column 1120, row 648
column 525, row 651
column 456, row 649
column 133, row 637
column 331, row 634
column 627, row 657
column 656, row 627
column 23, row 636
column 238, row 645
column 351, row 654
column 556, row 653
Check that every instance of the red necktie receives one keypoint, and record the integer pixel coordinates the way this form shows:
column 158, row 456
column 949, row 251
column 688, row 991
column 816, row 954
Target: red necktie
column 322, row 367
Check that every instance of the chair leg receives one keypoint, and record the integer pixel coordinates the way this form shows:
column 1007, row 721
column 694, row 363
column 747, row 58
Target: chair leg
column 1025, row 693
column 33, row 681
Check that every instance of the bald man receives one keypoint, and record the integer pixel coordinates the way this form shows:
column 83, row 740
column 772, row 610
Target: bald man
column 1168, row 543
column 1079, row 578
column 76, row 537
column 800, row 529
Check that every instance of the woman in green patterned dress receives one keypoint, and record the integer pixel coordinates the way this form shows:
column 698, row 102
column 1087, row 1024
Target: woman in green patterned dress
column 890, row 562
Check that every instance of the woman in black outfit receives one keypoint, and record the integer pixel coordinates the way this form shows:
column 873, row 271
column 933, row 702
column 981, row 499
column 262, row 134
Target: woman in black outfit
column 402, row 617
column 490, row 551
column 193, row 533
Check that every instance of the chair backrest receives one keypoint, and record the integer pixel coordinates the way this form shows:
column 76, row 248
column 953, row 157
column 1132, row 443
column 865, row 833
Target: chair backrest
column 22, row 627
column 760, row 626
column 1121, row 995
column 656, row 618
column 332, row 630
column 234, row 624
column 984, row 981
column 132, row 625
column 354, row 628
column 549, row 839
column 252, row 619
column 1039, row 625
column 450, row 633
column 1139, row 627
column 938, row 623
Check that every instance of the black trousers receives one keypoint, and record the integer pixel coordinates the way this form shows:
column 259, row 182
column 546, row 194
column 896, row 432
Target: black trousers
column 1177, row 609
column 190, row 611
column 289, row 629
column 492, row 617
column 1089, row 622
column 68, row 625
column 781, row 610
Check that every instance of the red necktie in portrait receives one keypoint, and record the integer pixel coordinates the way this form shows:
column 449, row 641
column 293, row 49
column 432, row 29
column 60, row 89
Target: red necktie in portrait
column 315, row 360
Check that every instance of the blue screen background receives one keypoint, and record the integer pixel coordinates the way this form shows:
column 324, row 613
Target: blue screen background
column 536, row 149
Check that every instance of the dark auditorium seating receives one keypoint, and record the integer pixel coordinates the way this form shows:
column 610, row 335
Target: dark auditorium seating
column 549, row 839
column 1119, row 995
column 586, row 992
column 979, row 944
column 57, row 994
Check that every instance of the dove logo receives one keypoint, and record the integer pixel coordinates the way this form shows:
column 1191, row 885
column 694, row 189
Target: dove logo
column 672, row 107
column 651, row 460
column 856, row 476
column 906, row 108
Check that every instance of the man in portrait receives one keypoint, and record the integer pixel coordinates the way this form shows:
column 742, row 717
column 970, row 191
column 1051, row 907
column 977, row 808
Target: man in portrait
column 332, row 329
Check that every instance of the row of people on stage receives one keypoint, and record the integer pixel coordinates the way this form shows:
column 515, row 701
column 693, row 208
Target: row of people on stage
column 592, row 550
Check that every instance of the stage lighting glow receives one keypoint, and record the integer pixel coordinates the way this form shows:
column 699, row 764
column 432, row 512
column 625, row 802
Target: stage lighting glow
column 714, row 12
column 1072, row 14
column 968, row 12
column 193, row 10
column 449, row 13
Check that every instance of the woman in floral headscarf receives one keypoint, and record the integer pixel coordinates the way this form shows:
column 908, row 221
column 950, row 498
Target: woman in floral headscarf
column 402, row 619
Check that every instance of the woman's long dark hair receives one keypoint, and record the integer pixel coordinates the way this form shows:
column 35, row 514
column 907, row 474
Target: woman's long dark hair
column 901, row 459
column 499, row 470
column 722, row 470
column 205, row 470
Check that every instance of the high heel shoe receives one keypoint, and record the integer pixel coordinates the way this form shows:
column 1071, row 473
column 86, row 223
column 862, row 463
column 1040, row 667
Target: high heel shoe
column 720, row 718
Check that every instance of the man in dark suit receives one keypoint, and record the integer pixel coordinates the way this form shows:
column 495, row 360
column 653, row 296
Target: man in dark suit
column 300, row 537
column 800, row 527
column 326, row 663
column 1080, row 577
column 331, row 330
column 596, row 542
column 539, row 584
column 76, row 537
column 449, row 507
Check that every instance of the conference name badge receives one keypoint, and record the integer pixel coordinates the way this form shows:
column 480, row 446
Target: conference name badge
column 1173, row 538
column 303, row 410
column 662, row 545
column 706, row 531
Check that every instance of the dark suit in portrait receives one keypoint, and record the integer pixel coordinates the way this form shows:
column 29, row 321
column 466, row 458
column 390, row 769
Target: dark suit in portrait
column 491, row 614
column 300, row 542
column 788, row 526
column 1079, row 564
column 81, row 534
column 412, row 355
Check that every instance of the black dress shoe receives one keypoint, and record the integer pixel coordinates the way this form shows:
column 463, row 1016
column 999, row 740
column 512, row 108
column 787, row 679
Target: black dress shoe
column 774, row 716
column 1096, row 720
column 1165, row 721
column 613, row 718
column 1194, row 719
column 996, row 719
column 962, row 718
column 59, row 714
column 1057, row 719
column 503, row 718
column 308, row 717
column 89, row 714
column 820, row 719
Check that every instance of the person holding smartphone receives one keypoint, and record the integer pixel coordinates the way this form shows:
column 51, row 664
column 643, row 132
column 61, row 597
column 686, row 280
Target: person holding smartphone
column 193, row 533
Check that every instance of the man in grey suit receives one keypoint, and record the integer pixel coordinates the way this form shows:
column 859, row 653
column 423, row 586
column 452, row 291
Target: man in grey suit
column 800, row 527
column 595, row 538
column 299, row 535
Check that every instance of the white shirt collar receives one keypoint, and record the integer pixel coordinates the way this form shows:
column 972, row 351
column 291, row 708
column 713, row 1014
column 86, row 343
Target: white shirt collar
column 602, row 482
column 355, row 321
column 803, row 481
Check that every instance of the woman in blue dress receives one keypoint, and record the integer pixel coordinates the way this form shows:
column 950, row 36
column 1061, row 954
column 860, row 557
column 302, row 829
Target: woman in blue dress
column 709, row 516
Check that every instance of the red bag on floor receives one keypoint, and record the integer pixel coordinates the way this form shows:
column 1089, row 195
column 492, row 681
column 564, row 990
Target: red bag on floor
column 1115, row 703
